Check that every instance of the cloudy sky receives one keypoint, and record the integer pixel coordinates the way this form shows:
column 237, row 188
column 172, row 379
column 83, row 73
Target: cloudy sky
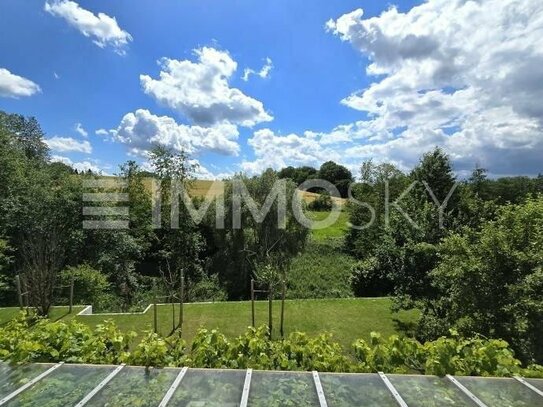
column 244, row 85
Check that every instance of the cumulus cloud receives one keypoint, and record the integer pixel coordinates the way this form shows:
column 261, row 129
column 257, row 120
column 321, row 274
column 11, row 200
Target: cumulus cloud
column 80, row 129
column 64, row 144
column 101, row 28
column 201, row 92
column 464, row 75
column 15, row 86
column 264, row 72
column 140, row 130
column 82, row 166
column 277, row 151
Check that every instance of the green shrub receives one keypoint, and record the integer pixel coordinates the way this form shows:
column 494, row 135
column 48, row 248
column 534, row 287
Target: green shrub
column 322, row 203
column 90, row 285
column 39, row 340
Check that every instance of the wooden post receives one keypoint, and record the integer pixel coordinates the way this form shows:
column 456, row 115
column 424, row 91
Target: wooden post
column 181, row 299
column 19, row 291
column 253, row 301
column 71, row 293
column 155, row 316
column 270, row 313
column 173, row 314
column 283, row 293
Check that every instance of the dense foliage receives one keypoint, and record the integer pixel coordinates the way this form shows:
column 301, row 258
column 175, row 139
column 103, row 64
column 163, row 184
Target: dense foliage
column 45, row 341
column 474, row 266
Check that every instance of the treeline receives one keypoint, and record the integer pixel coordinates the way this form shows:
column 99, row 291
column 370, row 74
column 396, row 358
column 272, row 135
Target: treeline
column 42, row 238
column 475, row 266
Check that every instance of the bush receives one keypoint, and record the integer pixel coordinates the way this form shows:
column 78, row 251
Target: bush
column 91, row 287
column 207, row 289
column 39, row 340
column 322, row 203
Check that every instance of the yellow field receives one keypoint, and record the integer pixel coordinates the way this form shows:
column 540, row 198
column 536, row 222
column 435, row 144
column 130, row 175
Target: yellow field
column 201, row 188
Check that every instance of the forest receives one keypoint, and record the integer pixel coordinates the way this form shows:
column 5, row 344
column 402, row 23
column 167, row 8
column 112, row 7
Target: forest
column 472, row 266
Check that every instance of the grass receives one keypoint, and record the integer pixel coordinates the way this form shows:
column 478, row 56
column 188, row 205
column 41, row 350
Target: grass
column 335, row 231
column 346, row 319
column 321, row 271
column 57, row 313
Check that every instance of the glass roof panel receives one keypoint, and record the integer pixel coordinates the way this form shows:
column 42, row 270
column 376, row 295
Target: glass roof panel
column 536, row 382
column 13, row 377
column 282, row 389
column 356, row 390
column 429, row 391
column 135, row 386
column 66, row 386
column 501, row 392
column 209, row 388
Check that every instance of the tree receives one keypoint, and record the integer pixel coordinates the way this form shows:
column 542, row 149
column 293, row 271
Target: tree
column 179, row 248
column 299, row 174
column 27, row 135
column 239, row 252
column 490, row 281
column 338, row 175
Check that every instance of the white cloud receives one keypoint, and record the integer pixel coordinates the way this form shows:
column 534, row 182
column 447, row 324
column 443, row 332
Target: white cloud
column 14, row 86
column 276, row 151
column 82, row 166
column 101, row 132
column 101, row 28
column 79, row 128
column 464, row 75
column 201, row 92
column 64, row 144
column 140, row 130
column 263, row 73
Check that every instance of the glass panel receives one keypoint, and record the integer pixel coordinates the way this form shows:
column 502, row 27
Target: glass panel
column 356, row 390
column 282, row 389
column 536, row 382
column 64, row 387
column 135, row 386
column 501, row 392
column 13, row 377
column 429, row 391
column 209, row 388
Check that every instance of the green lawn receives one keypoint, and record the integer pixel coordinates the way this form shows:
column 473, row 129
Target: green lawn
column 346, row 319
column 335, row 231
column 7, row 314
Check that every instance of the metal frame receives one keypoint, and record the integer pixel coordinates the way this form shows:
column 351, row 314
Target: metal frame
column 246, row 388
column 100, row 386
column 530, row 386
column 29, row 384
column 464, row 390
column 169, row 394
column 393, row 390
column 320, row 391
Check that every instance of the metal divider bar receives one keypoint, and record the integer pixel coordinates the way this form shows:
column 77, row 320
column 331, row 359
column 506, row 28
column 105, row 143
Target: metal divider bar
column 393, row 390
column 320, row 391
column 173, row 387
column 100, row 386
column 531, row 387
column 30, row 384
column 464, row 390
column 246, row 388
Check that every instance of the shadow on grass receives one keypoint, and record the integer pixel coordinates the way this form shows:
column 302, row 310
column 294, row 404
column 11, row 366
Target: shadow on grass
column 407, row 328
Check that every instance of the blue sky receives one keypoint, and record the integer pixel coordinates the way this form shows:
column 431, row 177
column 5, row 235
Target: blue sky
column 320, row 99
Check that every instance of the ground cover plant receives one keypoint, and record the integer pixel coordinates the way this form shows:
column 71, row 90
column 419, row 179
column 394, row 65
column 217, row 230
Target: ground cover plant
column 106, row 344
